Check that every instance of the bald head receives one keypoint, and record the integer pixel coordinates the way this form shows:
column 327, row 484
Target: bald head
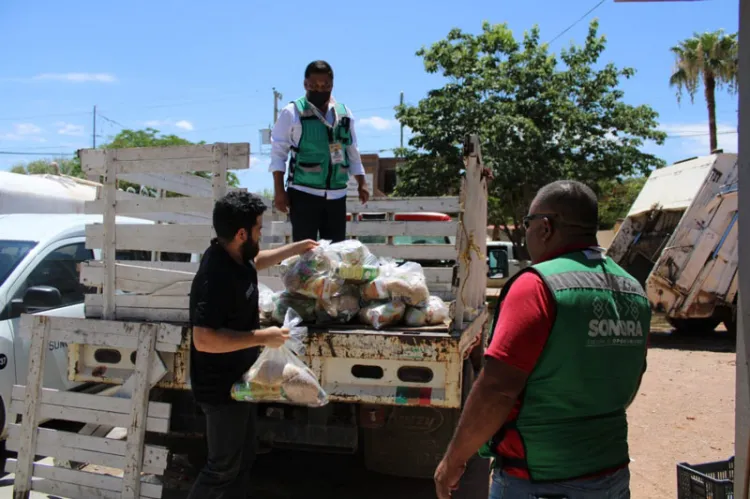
column 573, row 203
column 563, row 214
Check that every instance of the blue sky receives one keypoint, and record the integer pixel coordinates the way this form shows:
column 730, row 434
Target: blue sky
column 204, row 70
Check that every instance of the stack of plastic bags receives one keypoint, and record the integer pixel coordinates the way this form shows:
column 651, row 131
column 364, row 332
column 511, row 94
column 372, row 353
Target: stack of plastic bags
column 278, row 375
column 343, row 281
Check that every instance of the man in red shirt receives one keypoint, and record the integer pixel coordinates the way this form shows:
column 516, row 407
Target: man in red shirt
column 550, row 378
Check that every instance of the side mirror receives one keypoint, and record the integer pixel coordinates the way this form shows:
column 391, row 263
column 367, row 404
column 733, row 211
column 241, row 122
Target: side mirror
column 39, row 298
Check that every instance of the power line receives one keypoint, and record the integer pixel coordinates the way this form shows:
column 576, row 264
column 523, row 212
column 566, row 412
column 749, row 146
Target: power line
column 14, row 153
column 592, row 9
column 87, row 113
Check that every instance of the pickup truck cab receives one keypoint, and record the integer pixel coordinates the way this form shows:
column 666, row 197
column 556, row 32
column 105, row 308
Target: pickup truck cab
column 502, row 263
column 40, row 261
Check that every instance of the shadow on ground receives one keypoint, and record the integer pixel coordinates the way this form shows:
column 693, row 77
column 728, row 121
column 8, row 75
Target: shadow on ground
column 664, row 337
column 293, row 475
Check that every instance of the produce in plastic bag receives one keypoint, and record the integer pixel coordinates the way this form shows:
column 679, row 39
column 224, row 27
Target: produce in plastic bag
column 380, row 315
column 278, row 375
column 434, row 313
column 355, row 262
column 351, row 252
column 406, row 283
column 309, row 274
column 285, row 300
column 342, row 307
column 265, row 300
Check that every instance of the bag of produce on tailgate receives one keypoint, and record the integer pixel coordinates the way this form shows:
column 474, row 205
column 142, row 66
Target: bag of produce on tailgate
column 284, row 300
column 434, row 313
column 356, row 263
column 406, row 283
column 341, row 308
column 278, row 375
column 310, row 273
column 380, row 315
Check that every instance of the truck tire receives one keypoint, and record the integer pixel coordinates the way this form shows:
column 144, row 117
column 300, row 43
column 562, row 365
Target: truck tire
column 693, row 326
column 404, row 448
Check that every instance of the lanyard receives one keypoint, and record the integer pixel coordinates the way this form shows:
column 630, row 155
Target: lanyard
column 321, row 118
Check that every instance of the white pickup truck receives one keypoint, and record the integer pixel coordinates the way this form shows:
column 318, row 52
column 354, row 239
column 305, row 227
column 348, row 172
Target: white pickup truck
column 40, row 260
column 680, row 240
column 396, row 394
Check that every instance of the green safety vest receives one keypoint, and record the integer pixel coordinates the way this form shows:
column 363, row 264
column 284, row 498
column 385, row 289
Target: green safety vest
column 310, row 164
column 572, row 418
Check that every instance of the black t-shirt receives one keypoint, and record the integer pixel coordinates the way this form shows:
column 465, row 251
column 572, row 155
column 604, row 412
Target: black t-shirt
column 224, row 295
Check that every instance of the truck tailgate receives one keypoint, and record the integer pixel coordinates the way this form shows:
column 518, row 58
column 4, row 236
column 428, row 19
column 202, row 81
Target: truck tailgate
column 406, row 366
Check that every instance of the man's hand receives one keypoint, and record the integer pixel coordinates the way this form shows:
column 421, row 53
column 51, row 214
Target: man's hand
column 301, row 247
column 281, row 201
column 364, row 194
column 272, row 337
column 447, row 477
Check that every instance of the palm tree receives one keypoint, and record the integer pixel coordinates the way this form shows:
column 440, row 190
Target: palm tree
column 710, row 58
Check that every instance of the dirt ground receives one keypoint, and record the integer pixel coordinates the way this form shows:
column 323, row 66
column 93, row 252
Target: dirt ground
column 684, row 411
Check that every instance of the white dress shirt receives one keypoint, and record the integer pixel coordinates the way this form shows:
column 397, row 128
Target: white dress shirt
column 286, row 133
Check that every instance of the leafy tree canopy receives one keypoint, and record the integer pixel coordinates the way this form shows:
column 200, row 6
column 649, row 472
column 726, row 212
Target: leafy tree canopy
column 540, row 118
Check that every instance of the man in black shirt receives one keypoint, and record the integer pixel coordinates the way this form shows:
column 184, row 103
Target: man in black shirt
column 226, row 339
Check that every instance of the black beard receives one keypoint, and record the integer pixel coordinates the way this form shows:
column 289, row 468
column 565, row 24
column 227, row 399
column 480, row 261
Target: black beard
column 249, row 250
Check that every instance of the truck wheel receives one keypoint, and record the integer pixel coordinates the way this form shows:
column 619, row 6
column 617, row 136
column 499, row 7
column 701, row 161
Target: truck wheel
column 693, row 326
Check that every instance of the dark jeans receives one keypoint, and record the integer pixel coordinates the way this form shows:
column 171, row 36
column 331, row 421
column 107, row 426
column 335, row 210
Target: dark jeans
column 614, row 486
column 230, row 431
column 311, row 214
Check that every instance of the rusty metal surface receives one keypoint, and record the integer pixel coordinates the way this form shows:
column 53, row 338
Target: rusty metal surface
column 369, row 344
column 82, row 367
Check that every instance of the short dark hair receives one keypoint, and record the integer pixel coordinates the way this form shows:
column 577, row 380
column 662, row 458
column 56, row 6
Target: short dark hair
column 319, row 68
column 234, row 211
column 573, row 202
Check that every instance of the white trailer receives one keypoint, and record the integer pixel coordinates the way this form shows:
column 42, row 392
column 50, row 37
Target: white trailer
column 680, row 241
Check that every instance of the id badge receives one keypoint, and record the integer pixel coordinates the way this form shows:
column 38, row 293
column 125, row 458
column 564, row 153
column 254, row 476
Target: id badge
column 337, row 153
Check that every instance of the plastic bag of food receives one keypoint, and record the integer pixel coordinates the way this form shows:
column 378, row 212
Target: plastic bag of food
column 284, row 300
column 406, row 283
column 265, row 300
column 341, row 308
column 380, row 315
column 278, row 375
column 351, row 252
column 310, row 274
column 434, row 313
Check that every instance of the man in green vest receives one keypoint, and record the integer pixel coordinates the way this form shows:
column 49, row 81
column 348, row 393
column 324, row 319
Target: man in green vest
column 565, row 360
column 319, row 134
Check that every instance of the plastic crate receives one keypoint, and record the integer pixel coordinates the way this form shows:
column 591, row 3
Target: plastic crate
column 706, row 481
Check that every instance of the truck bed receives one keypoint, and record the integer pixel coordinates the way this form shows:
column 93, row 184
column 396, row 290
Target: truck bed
column 398, row 365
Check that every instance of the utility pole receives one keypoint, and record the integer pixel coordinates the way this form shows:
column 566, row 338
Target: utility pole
column 93, row 133
column 276, row 98
column 402, row 123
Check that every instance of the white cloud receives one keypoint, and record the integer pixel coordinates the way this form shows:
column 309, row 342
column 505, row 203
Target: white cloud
column 69, row 129
column 78, row 77
column 259, row 162
column 378, row 123
column 693, row 139
column 24, row 131
column 184, row 124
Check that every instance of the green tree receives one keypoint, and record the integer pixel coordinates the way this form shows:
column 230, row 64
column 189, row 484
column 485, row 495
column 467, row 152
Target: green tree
column 616, row 197
column 69, row 167
column 539, row 119
column 150, row 138
column 710, row 59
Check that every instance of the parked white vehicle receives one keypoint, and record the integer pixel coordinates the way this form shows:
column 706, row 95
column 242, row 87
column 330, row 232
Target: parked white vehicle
column 40, row 258
column 680, row 240
column 502, row 263
column 44, row 193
